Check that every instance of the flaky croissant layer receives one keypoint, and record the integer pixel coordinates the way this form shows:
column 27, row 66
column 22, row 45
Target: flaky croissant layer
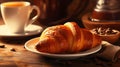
column 67, row 38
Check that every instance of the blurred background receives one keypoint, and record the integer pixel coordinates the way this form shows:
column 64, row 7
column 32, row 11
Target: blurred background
column 59, row 11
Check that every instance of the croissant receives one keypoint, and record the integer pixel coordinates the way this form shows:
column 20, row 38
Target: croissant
column 67, row 38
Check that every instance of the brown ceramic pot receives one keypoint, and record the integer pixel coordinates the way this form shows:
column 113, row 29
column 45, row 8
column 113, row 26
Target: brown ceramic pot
column 94, row 24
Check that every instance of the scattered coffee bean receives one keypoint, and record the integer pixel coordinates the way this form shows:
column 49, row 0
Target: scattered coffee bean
column 24, row 47
column 12, row 49
column 2, row 46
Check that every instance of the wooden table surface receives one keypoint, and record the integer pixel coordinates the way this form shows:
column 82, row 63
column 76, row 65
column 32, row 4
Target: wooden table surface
column 20, row 57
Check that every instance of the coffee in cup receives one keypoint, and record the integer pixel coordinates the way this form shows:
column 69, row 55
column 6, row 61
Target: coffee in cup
column 16, row 15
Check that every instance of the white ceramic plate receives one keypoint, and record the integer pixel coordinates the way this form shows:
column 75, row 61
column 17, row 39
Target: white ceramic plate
column 30, row 30
column 30, row 46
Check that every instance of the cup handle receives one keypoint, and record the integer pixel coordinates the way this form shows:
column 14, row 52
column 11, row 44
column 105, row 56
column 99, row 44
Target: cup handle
column 33, row 19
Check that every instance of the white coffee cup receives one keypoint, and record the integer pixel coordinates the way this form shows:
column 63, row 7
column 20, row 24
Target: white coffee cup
column 16, row 15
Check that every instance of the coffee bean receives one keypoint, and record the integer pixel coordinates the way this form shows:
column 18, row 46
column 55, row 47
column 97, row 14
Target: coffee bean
column 13, row 49
column 104, row 31
column 2, row 46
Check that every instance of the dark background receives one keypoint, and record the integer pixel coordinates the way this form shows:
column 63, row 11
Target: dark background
column 83, row 7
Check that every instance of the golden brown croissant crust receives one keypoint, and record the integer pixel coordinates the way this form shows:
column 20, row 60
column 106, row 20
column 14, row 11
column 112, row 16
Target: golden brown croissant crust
column 67, row 38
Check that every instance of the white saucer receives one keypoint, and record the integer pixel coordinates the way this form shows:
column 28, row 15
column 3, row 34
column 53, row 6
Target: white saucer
column 31, row 44
column 29, row 31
